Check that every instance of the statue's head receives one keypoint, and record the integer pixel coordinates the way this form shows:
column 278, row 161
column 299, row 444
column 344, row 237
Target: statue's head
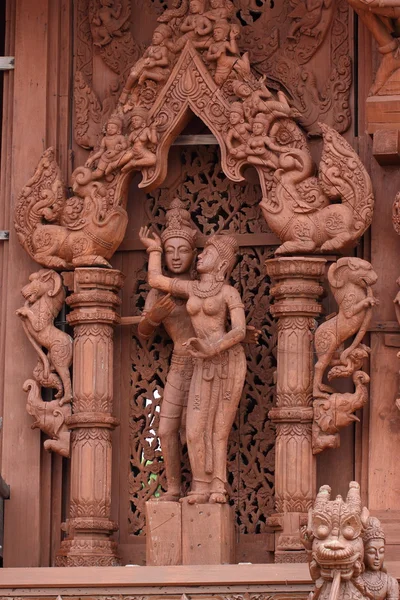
column 196, row 7
column 218, row 256
column 221, row 30
column 374, row 545
column 236, row 115
column 114, row 125
column 139, row 117
column 334, row 532
column 179, row 239
column 161, row 33
column 260, row 124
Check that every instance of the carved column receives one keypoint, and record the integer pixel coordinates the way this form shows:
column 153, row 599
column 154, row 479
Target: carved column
column 296, row 289
column 89, row 527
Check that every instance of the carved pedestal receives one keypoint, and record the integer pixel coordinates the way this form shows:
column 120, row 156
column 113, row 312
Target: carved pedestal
column 89, row 527
column 296, row 290
column 185, row 534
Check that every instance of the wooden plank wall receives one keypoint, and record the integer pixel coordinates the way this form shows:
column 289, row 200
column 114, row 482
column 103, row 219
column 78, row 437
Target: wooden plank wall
column 36, row 116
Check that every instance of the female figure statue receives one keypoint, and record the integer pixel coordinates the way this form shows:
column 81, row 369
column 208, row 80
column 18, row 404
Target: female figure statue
column 378, row 583
column 111, row 147
column 239, row 132
column 219, row 359
column 142, row 141
column 178, row 240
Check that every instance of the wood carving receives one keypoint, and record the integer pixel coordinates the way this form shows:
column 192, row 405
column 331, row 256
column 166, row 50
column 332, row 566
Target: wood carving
column 340, row 537
column 218, row 358
column 218, row 204
column 194, row 66
column 351, row 281
column 178, row 241
column 44, row 296
column 381, row 17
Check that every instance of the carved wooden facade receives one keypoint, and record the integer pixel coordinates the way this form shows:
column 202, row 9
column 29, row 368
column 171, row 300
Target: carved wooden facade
column 66, row 88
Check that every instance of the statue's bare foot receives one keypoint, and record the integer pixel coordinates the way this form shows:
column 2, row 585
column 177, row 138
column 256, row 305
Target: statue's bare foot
column 218, row 498
column 195, row 498
column 389, row 64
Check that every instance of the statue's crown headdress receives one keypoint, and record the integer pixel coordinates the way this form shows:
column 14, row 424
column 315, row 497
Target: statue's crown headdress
column 179, row 223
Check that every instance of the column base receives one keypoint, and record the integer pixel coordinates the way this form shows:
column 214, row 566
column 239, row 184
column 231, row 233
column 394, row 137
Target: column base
column 291, row 556
column 184, row 534
column 88, row 553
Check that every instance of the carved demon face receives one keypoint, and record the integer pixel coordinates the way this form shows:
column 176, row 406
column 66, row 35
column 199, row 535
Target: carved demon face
column 40, row 283
column 335, row 528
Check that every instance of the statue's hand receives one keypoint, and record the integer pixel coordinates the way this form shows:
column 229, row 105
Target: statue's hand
column 161, row 309
column 199, row 349
column 252, row 335
column 147, row 241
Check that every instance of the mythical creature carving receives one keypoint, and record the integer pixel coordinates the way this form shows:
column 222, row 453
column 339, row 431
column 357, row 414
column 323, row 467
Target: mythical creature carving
column 382, row 18
column 218, row 359
column 351, row 281
column 44, row 296
column 339, row 538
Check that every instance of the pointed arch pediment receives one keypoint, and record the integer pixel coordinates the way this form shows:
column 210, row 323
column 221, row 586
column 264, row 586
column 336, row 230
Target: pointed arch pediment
column 189, row 89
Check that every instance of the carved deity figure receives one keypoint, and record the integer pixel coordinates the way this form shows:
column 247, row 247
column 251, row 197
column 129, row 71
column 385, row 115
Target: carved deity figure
column 342, row 540
column 141, row 140
column 178, row 241
column 219, row 360
column 196, row 27
column 239, row 132
column 44, row 296
column 382, row 18
column 378, row 583
column 112, row 145
column 351, row 281
column 308, row 17
column 154, row 64
column 220, row 10
column 224, row 51
column 106, row 23
column 258, row 148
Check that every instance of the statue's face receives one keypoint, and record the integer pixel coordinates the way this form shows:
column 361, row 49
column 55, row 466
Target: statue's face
column 219, row 34
column 195, row 7
column 374, row 555
column 157, row 38
column 217, row 3
column 208, row 260
column 112, row 128
column 178, row 255
column 137, row 121
column 235, row 118
column 258, row 128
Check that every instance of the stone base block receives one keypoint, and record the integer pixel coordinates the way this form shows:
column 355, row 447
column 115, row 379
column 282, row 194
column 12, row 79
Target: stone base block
column 207, row 534
column 183, row 534
column 383, row 112
column 164, row 533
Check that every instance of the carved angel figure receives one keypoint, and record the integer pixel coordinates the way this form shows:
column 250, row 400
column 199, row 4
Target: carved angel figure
column 219, row 359
column 351, row 281
column 196, row 27
column 382, row 18
column 106, row 23
column 224, row 51
column 378, row 583
column 112, row 145
column 142, row 141
column 239, row 132
column 44, row 296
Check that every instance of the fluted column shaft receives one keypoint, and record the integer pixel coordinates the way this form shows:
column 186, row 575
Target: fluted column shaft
column 296, row 290
column 89, row 526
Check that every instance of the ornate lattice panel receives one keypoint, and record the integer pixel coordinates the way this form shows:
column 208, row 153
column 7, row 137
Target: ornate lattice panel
column 215, row 204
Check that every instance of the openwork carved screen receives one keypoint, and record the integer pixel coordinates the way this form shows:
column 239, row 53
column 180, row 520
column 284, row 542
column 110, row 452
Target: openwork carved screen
column 215, row 204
